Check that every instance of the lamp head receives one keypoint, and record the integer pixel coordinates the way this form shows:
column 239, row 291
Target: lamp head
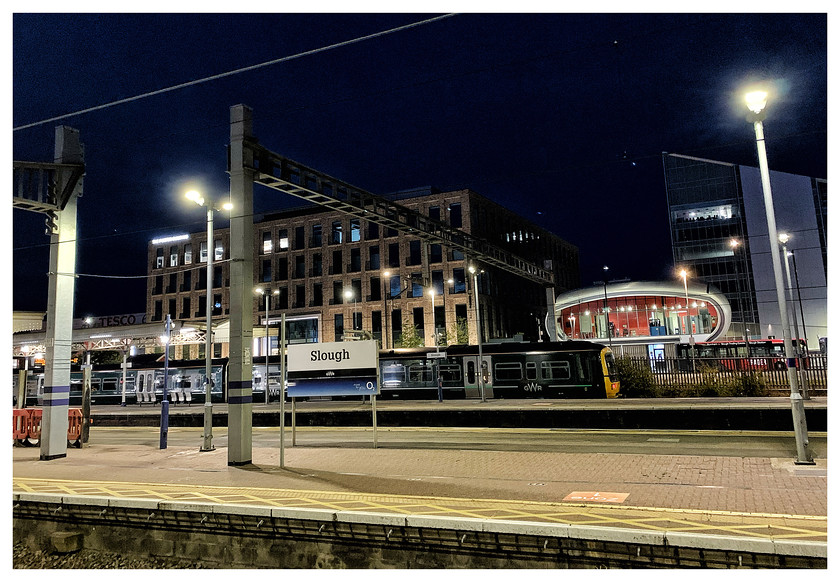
column 259, row 291
column 227, row 206
column 756, row 101
column 784, row 238
column 734, row 242
column 195, row 196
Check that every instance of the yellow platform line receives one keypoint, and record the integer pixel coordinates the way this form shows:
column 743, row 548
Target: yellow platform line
column 578, row 514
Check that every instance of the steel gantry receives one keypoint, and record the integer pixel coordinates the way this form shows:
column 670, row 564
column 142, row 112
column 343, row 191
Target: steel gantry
column 53, row 189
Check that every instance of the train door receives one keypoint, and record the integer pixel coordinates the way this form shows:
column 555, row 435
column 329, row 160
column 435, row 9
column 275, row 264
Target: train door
column 472, row 387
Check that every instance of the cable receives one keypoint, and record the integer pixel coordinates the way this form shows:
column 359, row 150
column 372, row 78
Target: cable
column 234, row 72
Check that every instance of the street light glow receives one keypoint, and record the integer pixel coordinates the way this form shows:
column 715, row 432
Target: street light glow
column 195, row 196
column 784, row 237
column 756, row 101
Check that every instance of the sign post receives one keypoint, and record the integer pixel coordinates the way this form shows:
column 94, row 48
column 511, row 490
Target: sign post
column 335, row 369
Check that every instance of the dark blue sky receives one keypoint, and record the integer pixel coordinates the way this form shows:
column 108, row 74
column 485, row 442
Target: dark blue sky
column 561, row 118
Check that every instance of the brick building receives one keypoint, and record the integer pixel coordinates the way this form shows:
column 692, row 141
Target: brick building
column 336, row 276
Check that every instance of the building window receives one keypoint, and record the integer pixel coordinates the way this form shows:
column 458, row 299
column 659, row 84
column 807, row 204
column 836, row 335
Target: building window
column 437, row 282
column 455, row 219
column 317, row 265
column 300, row 266
column 188, row 254
column 158, row 288
column 317, row 295
column 374, row 258
column 394, row 255
column 316, row 239
column 300, row 235
column 339, row 327
column 267, row 245
column 158, row 310
column 459, row 281
column 218, row 250
column 159, row 261
column 434, row 212
column 395, row 287
column 283, row 239
column 414, row 255
column 172, row 286
column 217, row 276
column 283, row 269
column 375, row 289
column 300, row 295
column 338, row 293
column 185, row 308
column 217, row 304
column 355, row 230
column 355, row 260
column 186, row 285
column 335, row 233
column 282, row 301
column 336, row 263
column 373, row 231
column 416, row 285
column 435, row 253
column 265, row 274
column 173, row 256
column 201, row 280
column 202, row 252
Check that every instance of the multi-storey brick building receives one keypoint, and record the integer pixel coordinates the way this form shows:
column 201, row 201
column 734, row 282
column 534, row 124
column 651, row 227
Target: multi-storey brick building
column 331, row 273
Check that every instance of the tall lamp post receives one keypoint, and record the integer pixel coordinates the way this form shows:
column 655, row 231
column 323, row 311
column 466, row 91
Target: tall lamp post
column 349, row 294
column 207, row 439
column 784, row 238
column 475, row 272
column 386, row 291
column 265, row 293
column 756, row 102
column 606, row 309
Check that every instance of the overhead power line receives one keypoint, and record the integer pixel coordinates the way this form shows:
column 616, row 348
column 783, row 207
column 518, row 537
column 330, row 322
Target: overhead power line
column 235, row 72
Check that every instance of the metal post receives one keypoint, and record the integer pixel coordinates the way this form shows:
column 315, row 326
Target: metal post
column 240, row 367
column 478, row 332
column 60, row 299
column 207, row 439
column 282, row 390
column 124, row 375
column 386, row 290
column 803, row 456
column 267, row 346
column 164, row 405
column 86, row 386
column 606, row 313
column 804, row 385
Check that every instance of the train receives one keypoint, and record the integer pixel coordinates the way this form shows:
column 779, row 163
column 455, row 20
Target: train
column 571, row 369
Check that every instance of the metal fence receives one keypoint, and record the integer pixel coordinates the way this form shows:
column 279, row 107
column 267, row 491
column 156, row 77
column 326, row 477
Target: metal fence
column 688, row 372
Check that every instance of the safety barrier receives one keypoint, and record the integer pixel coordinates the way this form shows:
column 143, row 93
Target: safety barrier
column 26, row 427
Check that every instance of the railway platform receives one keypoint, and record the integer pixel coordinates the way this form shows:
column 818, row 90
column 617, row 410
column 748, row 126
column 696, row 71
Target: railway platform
column 622, row 510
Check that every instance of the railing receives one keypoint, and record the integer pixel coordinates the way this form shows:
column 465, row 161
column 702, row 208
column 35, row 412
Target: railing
column 688, row 372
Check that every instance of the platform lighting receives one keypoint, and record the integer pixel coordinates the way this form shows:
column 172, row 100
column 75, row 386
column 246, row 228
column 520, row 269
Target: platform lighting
column 757, row 102
column 265, row 293
column 475, row 272
column 198, row 198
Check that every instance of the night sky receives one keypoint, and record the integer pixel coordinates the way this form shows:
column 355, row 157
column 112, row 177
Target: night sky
column 561, row 118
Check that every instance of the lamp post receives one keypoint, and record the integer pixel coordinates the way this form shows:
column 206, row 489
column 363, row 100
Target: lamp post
column 734, row 244
column 386, row 290
column 572, row 319
column 164, row 404
column 349, row 294
column 606, row 309
column 756, row 102
column 265, row 294
column 799, row 296
column 475, row 272
column 784, row 238
column 207, row 439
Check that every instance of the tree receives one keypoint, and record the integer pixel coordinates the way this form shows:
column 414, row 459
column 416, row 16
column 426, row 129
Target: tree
column 411, row 337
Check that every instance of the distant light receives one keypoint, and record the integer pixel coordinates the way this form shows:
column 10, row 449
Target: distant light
column 169, row 239
column 227, row 206
column 100, row 335
column 195, row 196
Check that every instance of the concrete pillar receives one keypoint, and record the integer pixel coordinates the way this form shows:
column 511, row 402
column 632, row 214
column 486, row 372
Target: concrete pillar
column 240, row 401
column 61, row 295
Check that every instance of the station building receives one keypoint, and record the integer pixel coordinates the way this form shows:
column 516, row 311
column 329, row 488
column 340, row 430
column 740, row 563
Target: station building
column 337, row 277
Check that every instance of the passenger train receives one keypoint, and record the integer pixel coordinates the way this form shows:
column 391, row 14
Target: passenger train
column 508, row 370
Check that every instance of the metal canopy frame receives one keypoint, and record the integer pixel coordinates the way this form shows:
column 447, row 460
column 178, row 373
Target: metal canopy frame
column 44, row 187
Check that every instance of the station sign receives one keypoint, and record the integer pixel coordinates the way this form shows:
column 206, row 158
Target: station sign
column 333, row 369
column 435, row 355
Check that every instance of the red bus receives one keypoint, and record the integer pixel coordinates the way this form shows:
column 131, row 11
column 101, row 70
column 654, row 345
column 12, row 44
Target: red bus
column 760, row 354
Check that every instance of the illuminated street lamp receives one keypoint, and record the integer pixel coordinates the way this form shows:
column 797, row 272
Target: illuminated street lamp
column 207, row 440
column 475, row 273
column 265, row 294
column 784, row 238
column 756, row 102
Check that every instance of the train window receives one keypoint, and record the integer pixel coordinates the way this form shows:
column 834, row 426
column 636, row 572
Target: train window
column 471, row 372
column 555, row 370
column 420, row 372
column 95, row 384
column 393, row 374
column 109, row 384
column 450, row 373
column 129, row 384
column 75, row 386
column 530, row 370
column 508, row 371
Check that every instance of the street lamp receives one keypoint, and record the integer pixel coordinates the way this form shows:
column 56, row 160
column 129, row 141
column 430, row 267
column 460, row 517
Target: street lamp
column 164, row 404
column 606, row 309
column 684, row 275
column 265, row 294
column 434, row 334
column 386, row 290
column 349, row 294
column 784, row 238
column 756, row 102
column 475, row 272
column 198, row 198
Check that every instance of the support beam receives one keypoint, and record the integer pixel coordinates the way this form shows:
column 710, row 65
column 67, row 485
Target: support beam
column 59, row 332
column 239, row 391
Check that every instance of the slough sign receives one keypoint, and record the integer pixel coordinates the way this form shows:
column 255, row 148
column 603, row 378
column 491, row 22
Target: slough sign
column 333, row 369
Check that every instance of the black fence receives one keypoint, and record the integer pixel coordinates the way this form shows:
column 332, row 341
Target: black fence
column 685, row 373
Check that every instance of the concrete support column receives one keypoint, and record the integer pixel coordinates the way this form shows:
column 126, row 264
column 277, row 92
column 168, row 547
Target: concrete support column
column 240, row 399
column 61, row 292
